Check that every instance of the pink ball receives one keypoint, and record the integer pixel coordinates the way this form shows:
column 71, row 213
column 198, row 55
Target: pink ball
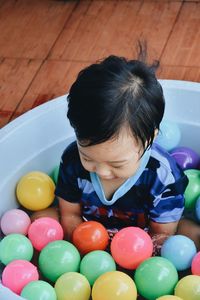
column 19, row 273
column 15, row 221
column 131, row 246
column 43, row 231
column 195, row 267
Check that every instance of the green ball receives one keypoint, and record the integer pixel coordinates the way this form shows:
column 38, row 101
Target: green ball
column 155, row 277
column 54, row 174
column 57, row 258
column 40, row 290
column 95, row 264
column 192, row 191
column 15, row 246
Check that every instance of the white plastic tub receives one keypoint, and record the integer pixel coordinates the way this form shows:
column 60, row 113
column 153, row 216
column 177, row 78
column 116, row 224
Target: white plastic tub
column 35, row 140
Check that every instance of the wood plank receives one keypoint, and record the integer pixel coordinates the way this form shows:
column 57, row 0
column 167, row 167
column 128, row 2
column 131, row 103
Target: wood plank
column 100, row 28
column 15, row 77
column 30, row 28
column 54, row 79
column 179, row 73
column 183, row 47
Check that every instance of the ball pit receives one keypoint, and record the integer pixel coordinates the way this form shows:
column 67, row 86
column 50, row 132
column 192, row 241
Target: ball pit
column 40, row 136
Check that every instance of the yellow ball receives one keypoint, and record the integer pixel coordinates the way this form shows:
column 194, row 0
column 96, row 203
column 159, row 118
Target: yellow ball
column 72, row 286
column 35, row 191
column 170, row 297
column 188, row 288
column 114, row 285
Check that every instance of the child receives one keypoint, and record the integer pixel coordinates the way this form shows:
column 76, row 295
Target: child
column 114, row 173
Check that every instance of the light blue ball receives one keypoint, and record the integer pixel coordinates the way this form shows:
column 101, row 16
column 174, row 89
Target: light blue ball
column 197, row 209
column 169, row 135
column 180, row 250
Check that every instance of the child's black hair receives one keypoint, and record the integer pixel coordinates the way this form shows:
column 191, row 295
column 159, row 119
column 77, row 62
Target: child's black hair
column 113, row 93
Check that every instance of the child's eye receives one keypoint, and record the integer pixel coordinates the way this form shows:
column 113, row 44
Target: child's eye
column 86, row 159
column 118, row 167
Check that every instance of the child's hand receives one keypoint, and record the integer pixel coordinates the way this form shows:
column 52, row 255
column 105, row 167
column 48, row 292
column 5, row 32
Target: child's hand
column 112, row 232
column 158, row 240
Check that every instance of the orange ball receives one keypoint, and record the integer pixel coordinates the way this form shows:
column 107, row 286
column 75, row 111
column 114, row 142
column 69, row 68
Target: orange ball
column 90, row 236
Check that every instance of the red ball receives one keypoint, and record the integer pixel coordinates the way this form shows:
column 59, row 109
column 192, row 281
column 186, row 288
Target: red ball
column 89, row 236
column 43, row 231
column 195, row 267
column 131, row 246
column 17, row 274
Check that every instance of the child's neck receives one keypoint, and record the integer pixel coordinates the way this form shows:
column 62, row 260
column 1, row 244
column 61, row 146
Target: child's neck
column 110, row 186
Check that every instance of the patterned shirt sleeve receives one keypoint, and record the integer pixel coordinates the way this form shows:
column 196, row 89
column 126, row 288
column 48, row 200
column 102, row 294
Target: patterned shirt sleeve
column 67, row 185
column 168, row 198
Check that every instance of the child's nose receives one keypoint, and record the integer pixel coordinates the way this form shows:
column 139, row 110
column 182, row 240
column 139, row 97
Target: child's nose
column 103, row 171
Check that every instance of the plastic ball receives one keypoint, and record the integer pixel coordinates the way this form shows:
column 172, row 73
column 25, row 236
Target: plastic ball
column 95, row 264
column 90, row 236
column 15, row 246
column 15, row 221
column 72, row 286
column 54, row 174
column 169, row 297
column 40, row 290
column 57, row 258
column 197, row 209
column 130, row 246
column 192, row 191
column 188, row 288
column 195, row 267
column 35, row 191
column 114, row 285
column 169, row 135
column 43, row 231
column 17, row 274
column 155, row 277
column 186, row 157
column 180, row 250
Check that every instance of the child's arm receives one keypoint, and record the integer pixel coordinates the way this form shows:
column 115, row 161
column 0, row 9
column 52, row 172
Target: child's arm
column 159, row 232
column 70, row 216
column 163, row 228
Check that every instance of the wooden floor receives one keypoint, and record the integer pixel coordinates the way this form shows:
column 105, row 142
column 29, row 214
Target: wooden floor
column 44, row 43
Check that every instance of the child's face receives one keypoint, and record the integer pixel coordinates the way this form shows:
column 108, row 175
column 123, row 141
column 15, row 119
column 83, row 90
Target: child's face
column 117, row 158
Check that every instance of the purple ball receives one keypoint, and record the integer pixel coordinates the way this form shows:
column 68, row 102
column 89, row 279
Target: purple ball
column 186, row 158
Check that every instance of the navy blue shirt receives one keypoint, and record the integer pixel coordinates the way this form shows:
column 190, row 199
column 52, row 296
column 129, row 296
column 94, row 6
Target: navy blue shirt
column 156, row 195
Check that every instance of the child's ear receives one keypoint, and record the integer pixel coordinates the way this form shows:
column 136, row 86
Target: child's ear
column 155, row 133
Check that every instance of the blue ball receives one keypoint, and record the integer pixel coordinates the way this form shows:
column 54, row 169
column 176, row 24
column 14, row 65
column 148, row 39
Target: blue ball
column 180, row 250
column 197, row 209
column 169, row 135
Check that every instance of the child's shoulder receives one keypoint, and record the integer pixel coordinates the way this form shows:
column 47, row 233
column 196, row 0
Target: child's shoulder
column 70, row 161
column 161, row 159
column 70, row 153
